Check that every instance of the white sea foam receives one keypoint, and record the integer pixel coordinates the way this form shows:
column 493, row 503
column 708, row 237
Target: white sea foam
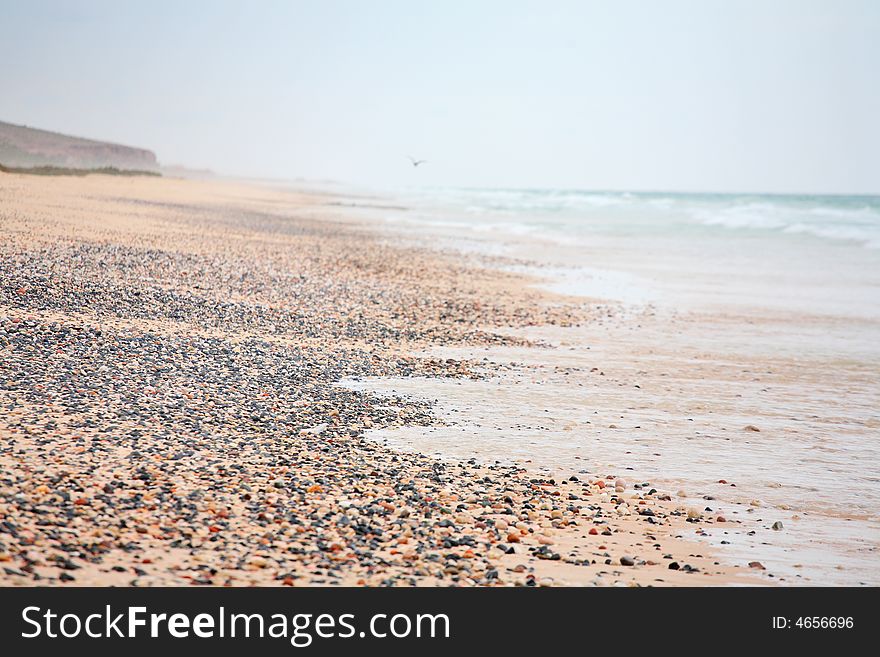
column 860, row 224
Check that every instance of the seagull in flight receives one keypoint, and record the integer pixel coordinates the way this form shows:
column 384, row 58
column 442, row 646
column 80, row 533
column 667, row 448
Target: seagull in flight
column 415, row 162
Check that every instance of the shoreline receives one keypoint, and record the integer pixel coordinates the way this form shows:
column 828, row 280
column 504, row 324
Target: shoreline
column 171, row 354
column 700, row 377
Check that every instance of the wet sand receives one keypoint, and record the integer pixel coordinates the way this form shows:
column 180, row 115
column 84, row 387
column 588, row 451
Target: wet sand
column 172, row 353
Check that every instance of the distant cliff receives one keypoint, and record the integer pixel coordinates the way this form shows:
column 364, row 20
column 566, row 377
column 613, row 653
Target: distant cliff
column 21, row 146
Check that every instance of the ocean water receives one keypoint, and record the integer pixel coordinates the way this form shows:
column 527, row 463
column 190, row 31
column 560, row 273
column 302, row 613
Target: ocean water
column 812, row 255
column 572, row 214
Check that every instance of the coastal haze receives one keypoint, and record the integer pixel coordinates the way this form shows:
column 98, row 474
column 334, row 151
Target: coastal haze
column 714, row 96
column 638, row 270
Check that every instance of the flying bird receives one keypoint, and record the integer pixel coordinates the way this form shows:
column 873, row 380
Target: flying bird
column 415, row 162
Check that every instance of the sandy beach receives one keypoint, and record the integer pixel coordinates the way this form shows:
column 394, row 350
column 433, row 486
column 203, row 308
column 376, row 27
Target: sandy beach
column 177, row 405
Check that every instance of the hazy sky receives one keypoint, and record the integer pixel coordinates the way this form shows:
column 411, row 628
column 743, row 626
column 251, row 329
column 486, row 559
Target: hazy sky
column 703, row 95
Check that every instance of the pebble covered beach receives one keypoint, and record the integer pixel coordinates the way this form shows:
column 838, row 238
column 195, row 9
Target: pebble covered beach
column 170, row 414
